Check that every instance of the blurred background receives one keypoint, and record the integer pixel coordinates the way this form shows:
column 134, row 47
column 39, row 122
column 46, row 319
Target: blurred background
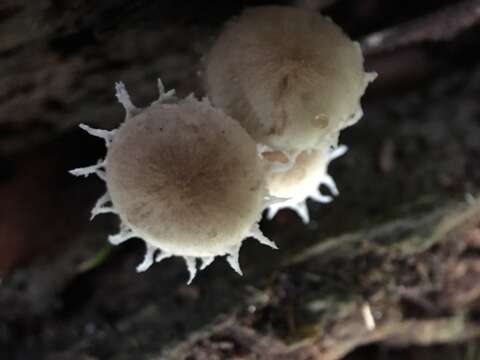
column 389, row 270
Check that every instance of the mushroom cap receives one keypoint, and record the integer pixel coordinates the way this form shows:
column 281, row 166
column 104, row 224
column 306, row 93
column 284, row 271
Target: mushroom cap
column 186, row 178
column 304, row 176
column 292, row 78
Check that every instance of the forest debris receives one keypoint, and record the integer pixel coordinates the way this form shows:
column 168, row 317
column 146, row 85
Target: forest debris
column 386, row 313
column 440, row 25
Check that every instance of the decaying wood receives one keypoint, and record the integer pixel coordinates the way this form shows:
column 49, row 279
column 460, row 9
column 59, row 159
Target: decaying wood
column 389, row 283
column 60, row 63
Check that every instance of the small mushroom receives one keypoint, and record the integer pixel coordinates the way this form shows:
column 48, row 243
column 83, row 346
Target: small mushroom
column 184, row 177
column 291, row 77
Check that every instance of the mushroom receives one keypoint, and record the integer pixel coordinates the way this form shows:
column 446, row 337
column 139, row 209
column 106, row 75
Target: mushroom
column 293, row 187
column 293, row 79
column 184, row 177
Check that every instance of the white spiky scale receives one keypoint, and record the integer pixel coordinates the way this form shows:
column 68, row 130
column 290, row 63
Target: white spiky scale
column 291, row 77
column 302, row 181
column 184, row 177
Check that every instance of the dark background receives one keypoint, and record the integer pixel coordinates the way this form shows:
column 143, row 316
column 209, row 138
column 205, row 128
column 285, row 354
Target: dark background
column 413, row 160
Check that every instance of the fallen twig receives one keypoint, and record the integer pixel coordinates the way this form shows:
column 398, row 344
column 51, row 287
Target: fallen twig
column 441, row 25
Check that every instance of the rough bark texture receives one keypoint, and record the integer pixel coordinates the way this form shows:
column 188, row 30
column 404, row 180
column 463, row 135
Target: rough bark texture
column 409, row 281
column 394, row 261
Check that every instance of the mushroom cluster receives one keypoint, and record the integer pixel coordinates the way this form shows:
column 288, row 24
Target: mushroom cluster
column 293, row 79
column 192, row 178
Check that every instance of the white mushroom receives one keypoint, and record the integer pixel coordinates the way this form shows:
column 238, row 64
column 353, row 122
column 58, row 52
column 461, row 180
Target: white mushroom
column 293, row 187
column 185, row 178
column 291, row 77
